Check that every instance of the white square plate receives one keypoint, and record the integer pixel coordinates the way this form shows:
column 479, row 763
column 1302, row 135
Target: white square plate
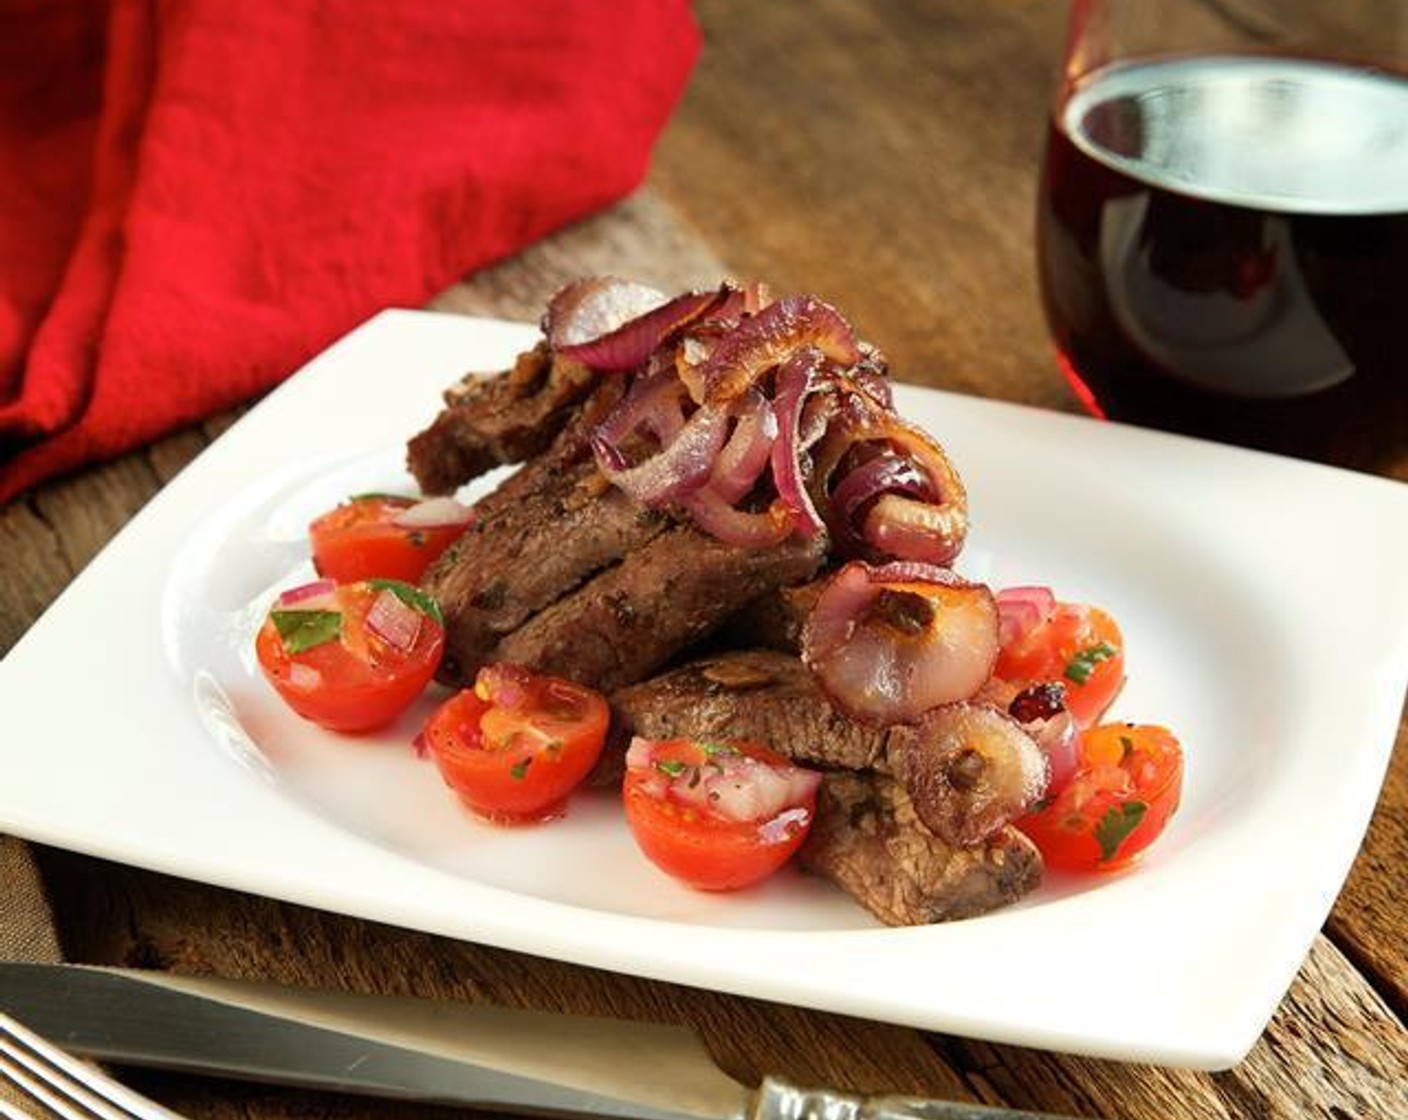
column 1265, row 610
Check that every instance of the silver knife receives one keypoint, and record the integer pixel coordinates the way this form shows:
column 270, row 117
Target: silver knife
column 429, row 1050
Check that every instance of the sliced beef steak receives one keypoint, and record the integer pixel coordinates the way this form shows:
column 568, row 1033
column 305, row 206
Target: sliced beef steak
column 868, row 839
column 633, row 618
column 489, row 421
column 967, row 768
column 521, row 556
column 768, row 697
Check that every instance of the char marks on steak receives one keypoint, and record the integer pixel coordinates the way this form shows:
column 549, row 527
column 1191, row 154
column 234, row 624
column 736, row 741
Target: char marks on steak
column 631, row 619
column 521, row 556
column 868, row 839
column 490, row 421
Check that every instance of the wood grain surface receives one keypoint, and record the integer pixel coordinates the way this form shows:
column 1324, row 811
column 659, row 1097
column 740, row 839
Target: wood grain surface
column 882, row 155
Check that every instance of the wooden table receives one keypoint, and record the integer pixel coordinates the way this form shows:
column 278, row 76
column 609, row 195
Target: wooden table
column 882, row 155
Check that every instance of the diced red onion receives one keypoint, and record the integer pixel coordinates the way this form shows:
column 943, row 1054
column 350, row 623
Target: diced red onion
column 1021, row 610
column 303, row 595
column 889, row 643
column 594, row 306
column 741, row 462
column 303, row 677
column 434, row 513
column 785, row 825
column 420, row 747
column 793, row 384
column 393, row 621
column 634, row 341
column 1059, row 739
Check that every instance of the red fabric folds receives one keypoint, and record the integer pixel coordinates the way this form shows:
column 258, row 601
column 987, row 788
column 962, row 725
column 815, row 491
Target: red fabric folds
column 197, row 196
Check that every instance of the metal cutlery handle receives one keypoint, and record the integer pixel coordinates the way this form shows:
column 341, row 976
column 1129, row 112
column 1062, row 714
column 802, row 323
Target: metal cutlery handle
column 777, row 1100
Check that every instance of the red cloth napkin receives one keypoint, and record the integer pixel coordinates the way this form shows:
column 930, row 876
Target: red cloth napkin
column 197, row 196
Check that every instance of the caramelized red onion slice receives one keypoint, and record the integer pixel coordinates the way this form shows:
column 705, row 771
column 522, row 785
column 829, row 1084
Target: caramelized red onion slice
column 682, row 465
column 969, row 769
column 634, row 341
column 769, row 338
column 928, row 530
column 916, row 530
column 890, row 643
column 749, row 448
column 1022, row 609
column 594, row 306
column 745, row 528
column 792, row 385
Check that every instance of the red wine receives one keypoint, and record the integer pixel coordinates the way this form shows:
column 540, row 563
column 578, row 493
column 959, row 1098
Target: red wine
column 1223, row 246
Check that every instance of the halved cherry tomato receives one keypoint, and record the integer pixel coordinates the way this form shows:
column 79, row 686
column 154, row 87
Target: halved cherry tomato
column 1128, row 783
column 379, row 535
column 514, row 746
column 717, row 815
column 1077, row 645
column 351, row 657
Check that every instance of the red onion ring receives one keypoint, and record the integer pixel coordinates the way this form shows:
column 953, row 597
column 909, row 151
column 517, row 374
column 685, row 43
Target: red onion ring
column 718, row 518
column 748, row 450
column 594, row 306
column 889, row 643
column 634, row 341
column 678, row 468
column 769, row 338
column 792, row 385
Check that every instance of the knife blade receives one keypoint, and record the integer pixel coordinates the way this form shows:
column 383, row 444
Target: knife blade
column 429, row 1050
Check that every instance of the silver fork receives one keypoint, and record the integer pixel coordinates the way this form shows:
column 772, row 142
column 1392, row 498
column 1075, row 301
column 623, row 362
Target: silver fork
column 61, row 1083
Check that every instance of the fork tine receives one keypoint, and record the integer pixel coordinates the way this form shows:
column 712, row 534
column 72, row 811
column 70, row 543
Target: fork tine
column 65, row 1085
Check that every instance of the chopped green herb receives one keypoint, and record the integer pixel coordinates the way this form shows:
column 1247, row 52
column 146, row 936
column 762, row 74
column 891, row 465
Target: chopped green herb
column 1083, row 663
column 520, row 769
column 712, row 750
column 302, row 630
column 1117, row 823
column 380, row 496
column 411, row 596
column 670, row 766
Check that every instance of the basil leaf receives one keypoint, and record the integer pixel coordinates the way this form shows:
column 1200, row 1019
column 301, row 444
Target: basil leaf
column 1084, row 662
column 1115, row 826
column 412, row 596
column 303, row 630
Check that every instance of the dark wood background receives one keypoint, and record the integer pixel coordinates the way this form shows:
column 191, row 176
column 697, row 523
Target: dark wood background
column 884, row 156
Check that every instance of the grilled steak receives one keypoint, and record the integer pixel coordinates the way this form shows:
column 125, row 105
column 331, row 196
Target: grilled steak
column 966, row 767
column 489, row 421
column 868, row 839
column 774, row 620
column 633, row 618
column 767, row 697
column 525, row 555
